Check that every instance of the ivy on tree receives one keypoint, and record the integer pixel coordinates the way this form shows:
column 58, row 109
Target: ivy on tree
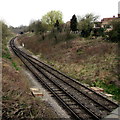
column 73, row 23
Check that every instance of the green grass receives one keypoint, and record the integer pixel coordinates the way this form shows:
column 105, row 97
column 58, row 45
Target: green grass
column 84, row 71
column 15, row 66
column 6, row 54
column 117, row 58
column 109, row 88
column 5, row 97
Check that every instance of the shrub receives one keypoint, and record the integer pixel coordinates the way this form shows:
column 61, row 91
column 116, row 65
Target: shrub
column 5, row 30
column 98, row 32
column 114, row 34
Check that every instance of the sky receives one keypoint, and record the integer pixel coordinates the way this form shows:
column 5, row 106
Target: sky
column 22, row 12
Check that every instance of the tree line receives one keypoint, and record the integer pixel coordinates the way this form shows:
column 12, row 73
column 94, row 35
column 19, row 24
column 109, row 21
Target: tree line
column 84, row 25
column 52, row 21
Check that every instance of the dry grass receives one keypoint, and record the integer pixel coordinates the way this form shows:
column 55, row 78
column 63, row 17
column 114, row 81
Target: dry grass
column 18, row 101
column 88, row 61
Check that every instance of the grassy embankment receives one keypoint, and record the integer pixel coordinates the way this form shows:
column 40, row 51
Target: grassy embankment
column 17, row 100
column 6, row 53
column 91, row 61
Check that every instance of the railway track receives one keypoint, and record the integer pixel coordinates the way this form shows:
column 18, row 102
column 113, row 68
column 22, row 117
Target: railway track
column 82, row 102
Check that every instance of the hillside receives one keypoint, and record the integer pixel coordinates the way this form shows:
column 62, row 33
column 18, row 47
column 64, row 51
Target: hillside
column 90, row 61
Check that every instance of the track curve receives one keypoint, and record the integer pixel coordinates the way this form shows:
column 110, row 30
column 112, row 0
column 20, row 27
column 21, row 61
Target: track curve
column 82, row 102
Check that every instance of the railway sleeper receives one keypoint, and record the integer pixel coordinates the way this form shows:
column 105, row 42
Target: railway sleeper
column 59, row 92
column 86, row 117
column 63, row 96
column 56, row 89
column 74, row 106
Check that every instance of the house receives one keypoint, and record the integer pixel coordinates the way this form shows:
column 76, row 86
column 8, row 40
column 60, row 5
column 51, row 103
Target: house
column 97, row 25
column 105, row 23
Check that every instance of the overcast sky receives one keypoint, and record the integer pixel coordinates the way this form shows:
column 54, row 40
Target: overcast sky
column 21, row 12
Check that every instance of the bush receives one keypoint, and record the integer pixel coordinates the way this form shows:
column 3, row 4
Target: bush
column 114, row 34
column 86, row 23
column 5, row 30
column 70, row 36
column 85, row 33
column 98, row 32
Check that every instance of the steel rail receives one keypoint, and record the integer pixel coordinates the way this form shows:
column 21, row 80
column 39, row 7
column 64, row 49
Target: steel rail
column 69, row 85
column 38, row 67
column 87, row 110
column 71, row 79
column 73, row 87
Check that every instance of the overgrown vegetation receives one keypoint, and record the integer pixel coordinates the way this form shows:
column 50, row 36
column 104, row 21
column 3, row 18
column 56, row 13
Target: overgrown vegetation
column 6, row 36
column 114, row 34
column 17, row 100
column 109, row 88
column 80, row 49
column 77, row 48
column 38, row 27
column 86, row 23
column 5, row 30
column 87, row 60
column 6, row 55
column 52, row 22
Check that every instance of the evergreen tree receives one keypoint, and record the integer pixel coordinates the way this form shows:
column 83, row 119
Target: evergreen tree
column 73, row 23
column 57, row 25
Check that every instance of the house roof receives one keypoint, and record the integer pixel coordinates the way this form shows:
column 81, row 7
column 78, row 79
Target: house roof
column 108, row 19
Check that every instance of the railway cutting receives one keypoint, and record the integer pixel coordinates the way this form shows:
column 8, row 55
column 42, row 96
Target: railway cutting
column 78, row 100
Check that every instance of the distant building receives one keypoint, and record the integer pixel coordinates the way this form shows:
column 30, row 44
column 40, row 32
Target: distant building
column 66, row 26
column 105, row 21
column 97, row 25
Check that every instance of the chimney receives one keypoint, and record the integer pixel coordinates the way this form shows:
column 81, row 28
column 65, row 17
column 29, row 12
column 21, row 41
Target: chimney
column 119, row 9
